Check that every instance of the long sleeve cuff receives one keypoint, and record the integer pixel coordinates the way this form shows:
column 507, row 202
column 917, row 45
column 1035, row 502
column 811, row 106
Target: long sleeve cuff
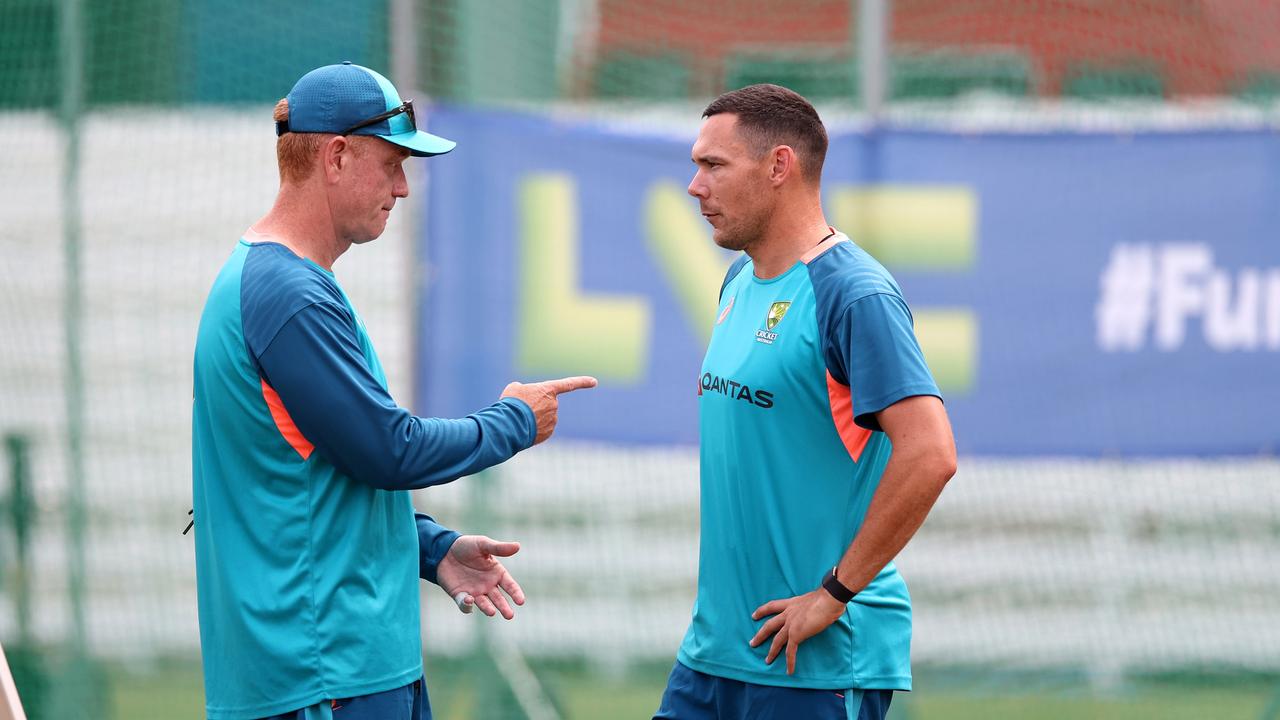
column 434, row 542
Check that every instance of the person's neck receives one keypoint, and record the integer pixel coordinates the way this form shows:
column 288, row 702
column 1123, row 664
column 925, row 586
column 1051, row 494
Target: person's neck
column 294, row 222
column 787, row 238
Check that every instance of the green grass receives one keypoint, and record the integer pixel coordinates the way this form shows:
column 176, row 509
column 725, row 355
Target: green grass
column 172, row 691
column 1175, row 705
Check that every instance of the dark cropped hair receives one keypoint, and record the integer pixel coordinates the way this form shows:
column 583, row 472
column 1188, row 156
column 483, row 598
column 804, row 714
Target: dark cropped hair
column 771, row 115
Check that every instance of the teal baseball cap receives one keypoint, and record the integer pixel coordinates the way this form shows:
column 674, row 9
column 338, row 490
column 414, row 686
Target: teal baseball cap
column 348, row 99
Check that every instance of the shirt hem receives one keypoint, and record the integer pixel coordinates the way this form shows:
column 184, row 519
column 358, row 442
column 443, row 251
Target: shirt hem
column 302, row 701
column 878, row 682
column 883, row 402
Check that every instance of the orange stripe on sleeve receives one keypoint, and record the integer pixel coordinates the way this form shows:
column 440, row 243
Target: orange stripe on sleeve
column 284, row 423
column 854, row 436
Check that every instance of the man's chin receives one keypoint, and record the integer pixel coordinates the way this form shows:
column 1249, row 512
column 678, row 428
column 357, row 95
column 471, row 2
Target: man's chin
column 727, row 242
column 374, row 233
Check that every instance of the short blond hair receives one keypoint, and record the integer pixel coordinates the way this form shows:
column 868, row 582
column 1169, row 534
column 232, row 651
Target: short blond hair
column 295, row 152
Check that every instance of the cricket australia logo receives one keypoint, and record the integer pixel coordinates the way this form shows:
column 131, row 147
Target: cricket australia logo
column 771, row 320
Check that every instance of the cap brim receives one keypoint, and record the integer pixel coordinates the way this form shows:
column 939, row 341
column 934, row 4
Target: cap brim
column 421, row 144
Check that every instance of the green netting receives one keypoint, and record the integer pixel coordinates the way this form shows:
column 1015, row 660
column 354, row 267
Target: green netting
column 1259, row 86
column 944, row 74
column 1093, row 82
column 649, row 77
column 28, row 46
column 135, row 52
column 820, row 77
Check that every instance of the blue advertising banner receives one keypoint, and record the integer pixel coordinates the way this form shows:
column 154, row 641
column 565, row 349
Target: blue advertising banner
column 1075, row 293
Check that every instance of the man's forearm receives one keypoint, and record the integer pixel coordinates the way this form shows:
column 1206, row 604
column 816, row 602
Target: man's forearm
column 911, row 483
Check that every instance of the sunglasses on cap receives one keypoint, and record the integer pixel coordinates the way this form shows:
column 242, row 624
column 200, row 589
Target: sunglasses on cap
column 282, row 126
column 406, row 107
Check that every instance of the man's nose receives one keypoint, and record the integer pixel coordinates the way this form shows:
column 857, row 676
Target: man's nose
column 400, row 188
column 697, row 187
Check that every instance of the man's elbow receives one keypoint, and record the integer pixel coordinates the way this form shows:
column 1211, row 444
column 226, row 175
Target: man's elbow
column 391, row 474
column 378, row 471
column 938, row 464
column 944, row 463
column 947, row 466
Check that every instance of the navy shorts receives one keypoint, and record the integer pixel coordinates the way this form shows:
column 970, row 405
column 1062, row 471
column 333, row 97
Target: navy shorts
column 404, row 703
column 692, row 695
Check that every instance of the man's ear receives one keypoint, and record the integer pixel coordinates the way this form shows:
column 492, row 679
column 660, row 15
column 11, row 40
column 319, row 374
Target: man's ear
column 784, row 164
column 335, row 154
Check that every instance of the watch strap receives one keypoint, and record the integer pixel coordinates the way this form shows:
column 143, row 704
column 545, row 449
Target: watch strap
column 837, row 589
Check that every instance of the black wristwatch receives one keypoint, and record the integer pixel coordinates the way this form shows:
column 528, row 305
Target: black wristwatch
column 837, row 589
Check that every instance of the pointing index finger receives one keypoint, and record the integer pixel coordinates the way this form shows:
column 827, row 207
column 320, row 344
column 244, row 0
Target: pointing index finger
column 569, row 384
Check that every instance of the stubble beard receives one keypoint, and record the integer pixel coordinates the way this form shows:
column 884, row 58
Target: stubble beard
column 742, row 238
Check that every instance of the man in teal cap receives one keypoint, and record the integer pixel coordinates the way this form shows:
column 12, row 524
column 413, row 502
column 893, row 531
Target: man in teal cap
column 308, row 549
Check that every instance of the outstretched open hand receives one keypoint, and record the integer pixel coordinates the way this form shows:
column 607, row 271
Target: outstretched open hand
column 471, row 573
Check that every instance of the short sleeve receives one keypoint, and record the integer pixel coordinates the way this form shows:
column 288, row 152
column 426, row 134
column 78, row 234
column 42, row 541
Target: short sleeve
column 874, row 347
